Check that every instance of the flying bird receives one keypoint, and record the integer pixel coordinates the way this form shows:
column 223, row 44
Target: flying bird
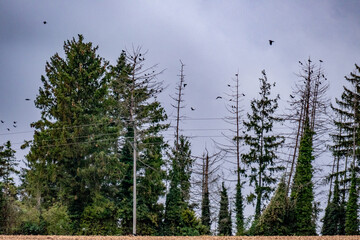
column 321, row 60
column 185, row 84
column 14, row 126
column 218, row 97
column 8, row 129
column 300, row 63
column 27, row 99
column 236, row 74
column 2, row 121
column 229, row 85
column 192, row 109
column 271, row 42
column 309, row 60
column 291, row 96
column 44, row 22
column 15, row 122
column 243, row 95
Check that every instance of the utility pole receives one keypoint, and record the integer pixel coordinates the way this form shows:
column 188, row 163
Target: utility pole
column 134, row 188
column 132, row 119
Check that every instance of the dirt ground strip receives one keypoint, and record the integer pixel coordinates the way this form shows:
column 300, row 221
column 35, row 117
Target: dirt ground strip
column 25, row 237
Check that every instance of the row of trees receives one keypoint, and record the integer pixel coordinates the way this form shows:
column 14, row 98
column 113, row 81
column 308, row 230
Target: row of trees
column 96, row 118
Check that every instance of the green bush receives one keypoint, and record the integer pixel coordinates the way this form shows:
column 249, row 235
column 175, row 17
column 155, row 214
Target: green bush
column 57, row 220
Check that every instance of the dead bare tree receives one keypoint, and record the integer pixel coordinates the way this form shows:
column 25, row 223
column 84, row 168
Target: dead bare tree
column 308, row 101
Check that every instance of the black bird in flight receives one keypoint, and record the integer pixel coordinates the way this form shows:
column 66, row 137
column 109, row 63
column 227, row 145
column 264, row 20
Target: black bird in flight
column 300, row 63
column 185, row 84
column 271, row 42
column 218, row 97
column 228, row 85
column 2, row 121
column 14, row 122
column 44, row 22
column 192, row 109
column 321, row 60
column 236, row 74
column 291, row 96
column 243, row 95
column 14, row 126
column 27, row 99
column 8, row 129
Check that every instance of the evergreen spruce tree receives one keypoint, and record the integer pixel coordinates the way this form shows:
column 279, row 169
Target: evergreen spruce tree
column 332, row 217
column 239, row 208
column 71, row 159
column 274, row 219
column 302, row 195
column 177, row 200
column 205, row 202
column 205, row 212
column 352, row 208
column 224, row 221
column 348, row 108
column 263, row 144
column 8, row 190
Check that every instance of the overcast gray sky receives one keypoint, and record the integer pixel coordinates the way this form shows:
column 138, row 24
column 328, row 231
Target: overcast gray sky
column 214, row 39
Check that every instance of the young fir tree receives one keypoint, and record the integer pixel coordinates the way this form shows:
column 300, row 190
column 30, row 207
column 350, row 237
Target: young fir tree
column 274, row 219
column 177, row 200
column 224, row 221
column 141, row 117
column 8, row 190
column 71, row 159
column 205, row 203
column 302, row 195
column 331, row 220
column 263, row 144
column 352, row 207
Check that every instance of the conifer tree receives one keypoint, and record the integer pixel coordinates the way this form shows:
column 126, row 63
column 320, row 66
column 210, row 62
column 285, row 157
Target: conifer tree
column 224, row 221
column 274, row 220
column 346, row 145
column 352, row 207
column 177, row 200
column 71, row 159
column 331, row 221
column 263, row 144
column 205, row 203
column 8, row 190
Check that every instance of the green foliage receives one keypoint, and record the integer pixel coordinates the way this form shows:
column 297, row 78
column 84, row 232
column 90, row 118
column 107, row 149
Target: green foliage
column 348, row 109
column 224, row 221
column 274, row 219
column 263, row 144
column 8, row 190
column 72, row 154
column 302, row 195
column 239, row 208
column 57, row 220
column 352, row 208
column 190, row 225
column 30, row 221
column 99, row 218
column 179, row 192
column 205, row 212
column 332, row 215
